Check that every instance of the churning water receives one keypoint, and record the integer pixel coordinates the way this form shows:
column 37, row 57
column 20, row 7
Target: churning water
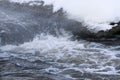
column 73, row 60
column 50, row 57
column 95, row 13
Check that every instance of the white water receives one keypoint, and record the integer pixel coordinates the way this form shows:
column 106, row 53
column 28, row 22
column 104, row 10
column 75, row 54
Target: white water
column 78, row 55
column 97, row 14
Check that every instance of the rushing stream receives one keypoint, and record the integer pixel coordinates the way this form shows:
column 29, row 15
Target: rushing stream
column 51, row 57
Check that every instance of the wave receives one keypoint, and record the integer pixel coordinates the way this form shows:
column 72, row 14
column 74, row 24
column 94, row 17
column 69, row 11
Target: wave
column 21, row 22
column 48, row 50
column 96, row 14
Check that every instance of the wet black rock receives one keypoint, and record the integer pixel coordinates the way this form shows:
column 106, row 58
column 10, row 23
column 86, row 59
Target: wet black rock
column 108, row 37
column 112, row 33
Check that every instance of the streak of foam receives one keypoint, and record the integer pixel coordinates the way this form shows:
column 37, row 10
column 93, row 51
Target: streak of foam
column 79, row 55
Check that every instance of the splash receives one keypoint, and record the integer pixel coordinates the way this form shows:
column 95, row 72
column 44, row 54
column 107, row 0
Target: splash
column 97, row 14
column 59, row 55
column 67, row 55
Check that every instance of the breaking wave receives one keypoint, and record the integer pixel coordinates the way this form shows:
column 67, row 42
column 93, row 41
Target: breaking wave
column 61, row 56
column 97, row 14
column 43, row 42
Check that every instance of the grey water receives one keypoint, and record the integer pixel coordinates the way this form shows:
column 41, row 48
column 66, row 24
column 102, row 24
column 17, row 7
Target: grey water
column 37, row 44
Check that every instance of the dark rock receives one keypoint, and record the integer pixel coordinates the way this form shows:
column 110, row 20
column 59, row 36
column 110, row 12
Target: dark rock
column 109, row 37
column 112, row 33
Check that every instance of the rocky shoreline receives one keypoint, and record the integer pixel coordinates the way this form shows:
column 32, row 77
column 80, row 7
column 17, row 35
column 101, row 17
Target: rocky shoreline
column 28, row 21
column 108, row 37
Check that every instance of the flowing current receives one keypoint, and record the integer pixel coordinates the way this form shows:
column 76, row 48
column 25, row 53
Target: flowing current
column 52, row 54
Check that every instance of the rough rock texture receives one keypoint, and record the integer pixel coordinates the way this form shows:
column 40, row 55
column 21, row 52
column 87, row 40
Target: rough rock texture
column 112, row 33
column 109, row 37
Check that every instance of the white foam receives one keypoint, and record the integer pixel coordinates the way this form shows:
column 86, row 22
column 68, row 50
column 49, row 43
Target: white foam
column 21, row 1
column 82, row 54
column 95, row 13
column 73, row 52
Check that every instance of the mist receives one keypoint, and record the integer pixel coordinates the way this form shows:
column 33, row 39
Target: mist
column 96, row 14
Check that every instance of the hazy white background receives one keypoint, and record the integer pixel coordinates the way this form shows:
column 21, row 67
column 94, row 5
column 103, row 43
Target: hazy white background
column 95, row 13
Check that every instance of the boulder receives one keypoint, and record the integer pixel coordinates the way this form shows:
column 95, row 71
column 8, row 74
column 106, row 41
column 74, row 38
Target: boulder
column 109, row 37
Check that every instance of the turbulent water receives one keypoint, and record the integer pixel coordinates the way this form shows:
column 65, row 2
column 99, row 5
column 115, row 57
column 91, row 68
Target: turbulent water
column 58, row 58
column 50, row 56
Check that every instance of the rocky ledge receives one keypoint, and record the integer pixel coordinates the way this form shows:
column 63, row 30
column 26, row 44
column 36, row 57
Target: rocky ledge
column 109, row 37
